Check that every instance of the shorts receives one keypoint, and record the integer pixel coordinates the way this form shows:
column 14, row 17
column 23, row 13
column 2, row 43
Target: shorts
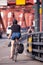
column 16, row 35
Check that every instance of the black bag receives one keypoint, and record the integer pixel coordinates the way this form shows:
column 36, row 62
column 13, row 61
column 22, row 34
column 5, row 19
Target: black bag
column 9, row 45
column 21, row 48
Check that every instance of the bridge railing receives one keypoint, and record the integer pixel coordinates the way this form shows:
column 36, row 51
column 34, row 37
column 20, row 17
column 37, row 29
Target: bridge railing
column 35, row 45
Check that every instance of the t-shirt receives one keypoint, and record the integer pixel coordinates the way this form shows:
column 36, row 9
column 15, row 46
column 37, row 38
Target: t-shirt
column 15, row 28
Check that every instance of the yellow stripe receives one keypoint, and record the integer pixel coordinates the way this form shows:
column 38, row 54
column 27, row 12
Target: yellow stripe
column 40, row 10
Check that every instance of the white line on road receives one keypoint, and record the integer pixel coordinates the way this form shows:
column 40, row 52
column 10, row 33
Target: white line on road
column 4, row 58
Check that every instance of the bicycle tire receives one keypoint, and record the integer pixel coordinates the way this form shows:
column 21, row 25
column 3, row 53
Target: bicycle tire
column 16, row 52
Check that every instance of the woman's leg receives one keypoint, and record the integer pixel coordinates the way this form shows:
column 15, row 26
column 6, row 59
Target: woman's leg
column 12, row 48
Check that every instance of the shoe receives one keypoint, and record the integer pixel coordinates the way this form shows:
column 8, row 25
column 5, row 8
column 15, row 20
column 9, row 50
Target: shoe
column 12, row 58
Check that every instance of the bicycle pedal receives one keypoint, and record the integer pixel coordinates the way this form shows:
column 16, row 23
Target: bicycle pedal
column 15, row 60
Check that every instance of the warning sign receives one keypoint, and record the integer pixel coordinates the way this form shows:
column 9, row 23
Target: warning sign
column 20, row 2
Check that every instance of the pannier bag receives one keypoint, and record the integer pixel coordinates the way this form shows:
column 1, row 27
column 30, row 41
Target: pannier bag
column 20, row 48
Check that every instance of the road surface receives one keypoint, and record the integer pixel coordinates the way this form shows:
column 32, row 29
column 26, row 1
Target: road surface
column 22, row 59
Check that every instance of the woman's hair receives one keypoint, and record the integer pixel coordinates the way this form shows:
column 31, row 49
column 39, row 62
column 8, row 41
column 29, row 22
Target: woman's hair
column 15, row 21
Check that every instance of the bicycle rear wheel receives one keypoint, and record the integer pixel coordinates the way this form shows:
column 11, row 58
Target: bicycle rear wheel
column 16, row 52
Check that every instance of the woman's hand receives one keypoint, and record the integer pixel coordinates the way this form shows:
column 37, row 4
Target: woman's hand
column 8, row 37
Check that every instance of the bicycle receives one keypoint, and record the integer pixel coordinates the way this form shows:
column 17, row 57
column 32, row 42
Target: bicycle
column 16, row 46
column 19, row 47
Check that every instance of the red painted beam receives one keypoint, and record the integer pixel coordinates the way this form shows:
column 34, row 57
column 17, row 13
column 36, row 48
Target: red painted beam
column 13, row 2
column 29, row 2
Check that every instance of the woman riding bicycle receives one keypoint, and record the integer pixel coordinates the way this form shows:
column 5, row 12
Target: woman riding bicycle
column 16, row 34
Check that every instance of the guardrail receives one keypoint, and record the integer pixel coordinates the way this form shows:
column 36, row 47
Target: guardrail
column 35, row 41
